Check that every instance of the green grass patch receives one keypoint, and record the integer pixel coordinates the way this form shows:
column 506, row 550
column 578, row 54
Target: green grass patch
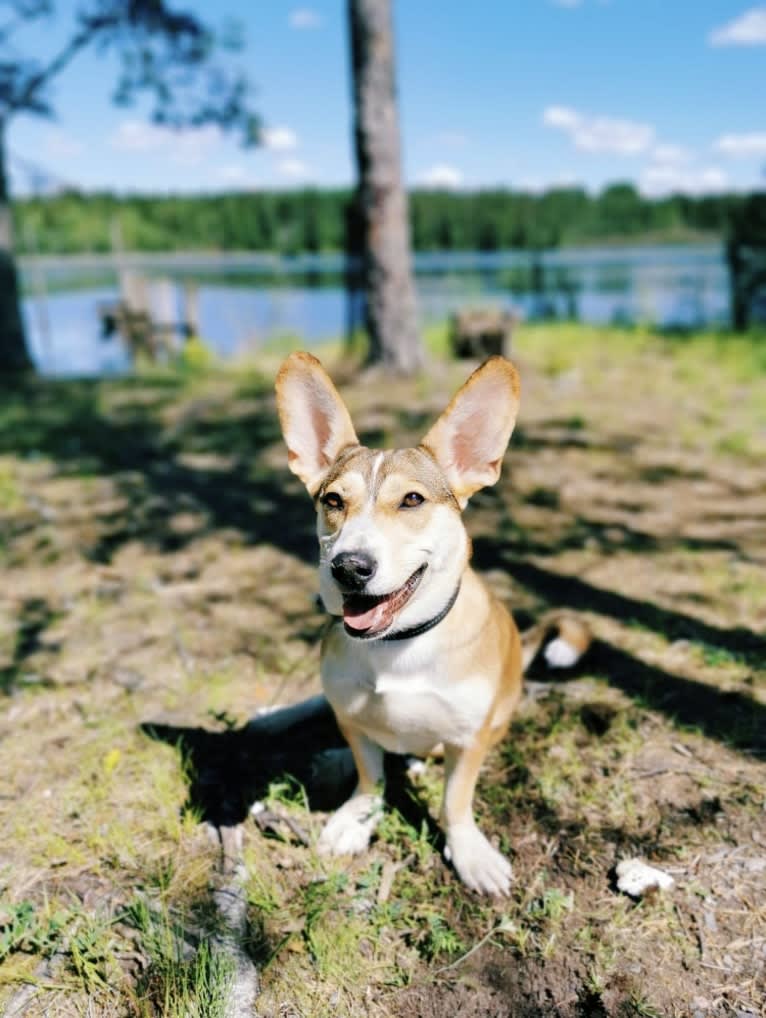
column 186, row 976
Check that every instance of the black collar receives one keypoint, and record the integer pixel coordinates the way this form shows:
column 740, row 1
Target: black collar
column 408, row 634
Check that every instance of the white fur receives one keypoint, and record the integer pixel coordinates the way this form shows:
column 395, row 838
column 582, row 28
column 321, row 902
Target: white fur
column 480, row 866
column 349, row 829
column 560, row 654
column 376, row 464
column 395, row 692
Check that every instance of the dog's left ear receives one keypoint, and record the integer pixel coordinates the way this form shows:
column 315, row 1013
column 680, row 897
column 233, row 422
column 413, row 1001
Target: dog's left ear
column 469, row 439
column 314, row 419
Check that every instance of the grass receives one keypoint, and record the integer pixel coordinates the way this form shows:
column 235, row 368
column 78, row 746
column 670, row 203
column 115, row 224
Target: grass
column 182, row 979
column 158, row 570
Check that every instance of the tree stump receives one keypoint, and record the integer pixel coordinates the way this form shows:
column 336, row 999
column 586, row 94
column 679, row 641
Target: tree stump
column 477, row 333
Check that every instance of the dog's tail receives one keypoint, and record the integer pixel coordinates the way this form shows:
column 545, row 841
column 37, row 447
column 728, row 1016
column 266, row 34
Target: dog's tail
column 571, row 638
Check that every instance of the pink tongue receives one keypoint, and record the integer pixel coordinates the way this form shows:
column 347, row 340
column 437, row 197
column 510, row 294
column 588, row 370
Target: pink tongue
column 366, row 620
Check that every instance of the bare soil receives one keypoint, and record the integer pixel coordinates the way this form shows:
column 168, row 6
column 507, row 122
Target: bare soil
column 158, row 591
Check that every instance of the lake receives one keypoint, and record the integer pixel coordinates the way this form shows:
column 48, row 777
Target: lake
column 248, row 300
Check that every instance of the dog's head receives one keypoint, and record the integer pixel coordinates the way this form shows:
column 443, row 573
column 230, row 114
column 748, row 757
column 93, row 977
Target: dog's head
column 391, row 538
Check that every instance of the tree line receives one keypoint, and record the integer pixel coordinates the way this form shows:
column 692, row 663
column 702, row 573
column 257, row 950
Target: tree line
column 312, row 220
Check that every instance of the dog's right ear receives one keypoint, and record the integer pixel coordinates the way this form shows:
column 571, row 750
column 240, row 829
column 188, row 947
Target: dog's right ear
column 314, row 419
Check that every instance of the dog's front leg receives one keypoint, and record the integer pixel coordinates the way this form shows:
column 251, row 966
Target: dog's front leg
column 480, row 866
column 349, row 829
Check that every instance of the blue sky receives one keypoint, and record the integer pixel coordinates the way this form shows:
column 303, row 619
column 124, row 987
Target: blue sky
column 669, row 94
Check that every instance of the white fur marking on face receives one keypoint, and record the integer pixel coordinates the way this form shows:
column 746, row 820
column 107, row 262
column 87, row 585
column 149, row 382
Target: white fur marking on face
column 376, row 463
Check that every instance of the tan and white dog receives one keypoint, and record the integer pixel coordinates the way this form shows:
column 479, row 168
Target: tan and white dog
column 421, row 653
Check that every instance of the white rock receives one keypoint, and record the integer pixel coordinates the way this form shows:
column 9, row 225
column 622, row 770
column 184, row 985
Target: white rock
column 635, row 878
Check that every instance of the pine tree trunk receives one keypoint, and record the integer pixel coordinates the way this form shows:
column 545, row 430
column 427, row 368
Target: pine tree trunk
column 391, row 306
column 14, row 357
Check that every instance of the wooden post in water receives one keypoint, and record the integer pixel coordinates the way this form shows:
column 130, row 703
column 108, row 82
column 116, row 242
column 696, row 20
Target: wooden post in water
column 163, row 313
column 191, row 310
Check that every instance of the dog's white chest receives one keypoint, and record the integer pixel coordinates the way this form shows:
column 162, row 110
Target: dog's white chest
column 406, row 704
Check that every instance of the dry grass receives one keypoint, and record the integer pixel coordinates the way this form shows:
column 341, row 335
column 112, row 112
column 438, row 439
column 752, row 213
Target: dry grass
column 157, row 566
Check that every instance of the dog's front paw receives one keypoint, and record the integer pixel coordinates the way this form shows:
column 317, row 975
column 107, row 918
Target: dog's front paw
column 349, row 829
column 480, row 866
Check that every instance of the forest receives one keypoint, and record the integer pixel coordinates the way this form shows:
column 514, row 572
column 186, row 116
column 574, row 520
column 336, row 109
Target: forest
column 312, row 220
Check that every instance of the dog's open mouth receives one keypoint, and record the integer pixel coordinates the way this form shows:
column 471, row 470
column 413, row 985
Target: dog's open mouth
column 365, row 615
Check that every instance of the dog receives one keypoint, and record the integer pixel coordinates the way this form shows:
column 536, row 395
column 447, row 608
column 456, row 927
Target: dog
column 420, row 652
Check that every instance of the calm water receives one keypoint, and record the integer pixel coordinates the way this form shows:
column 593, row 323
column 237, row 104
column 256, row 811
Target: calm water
column 247, row 300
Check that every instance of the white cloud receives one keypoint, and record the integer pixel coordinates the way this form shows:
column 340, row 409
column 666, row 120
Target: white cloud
column 304, row 18
column 666, row 153
column 137, row 136
column 538, row 185
column 600, row 134
column 295, row 169
column 236, row 175
column 279, row 139
column 742, row 145
column 561, row 116
column 749, row 29
column 441, row 175
column 188, row 145
column 665, row 179
column 534, row 185
column 60, row 145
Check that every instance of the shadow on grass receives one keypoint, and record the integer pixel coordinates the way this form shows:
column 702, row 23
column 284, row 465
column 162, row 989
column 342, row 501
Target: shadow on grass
column 34, row 618
column 229, row 771
column 147, row 441
column 151, row 462
column 572, row 592
column 730, row 717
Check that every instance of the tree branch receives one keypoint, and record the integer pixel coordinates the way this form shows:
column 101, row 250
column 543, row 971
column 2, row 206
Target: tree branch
column 38, row 81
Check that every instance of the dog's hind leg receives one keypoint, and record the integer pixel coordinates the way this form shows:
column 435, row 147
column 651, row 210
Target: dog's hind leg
column 349, row 829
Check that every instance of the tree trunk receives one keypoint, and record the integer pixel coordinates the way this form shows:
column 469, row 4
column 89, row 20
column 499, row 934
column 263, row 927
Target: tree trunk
column 14, row 357
column 391, row 306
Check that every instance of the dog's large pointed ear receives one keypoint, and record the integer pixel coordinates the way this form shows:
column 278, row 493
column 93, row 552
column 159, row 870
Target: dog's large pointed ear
column 469, row 439
column 314, row 419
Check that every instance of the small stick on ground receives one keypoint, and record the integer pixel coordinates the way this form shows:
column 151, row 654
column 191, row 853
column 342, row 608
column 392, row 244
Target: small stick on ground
column 231, row 904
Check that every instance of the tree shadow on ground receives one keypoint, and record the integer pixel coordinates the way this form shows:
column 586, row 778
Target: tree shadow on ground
column 34, row 617
column 729, row 716
column 152, row 460
column 572, row 592
column 149, row 463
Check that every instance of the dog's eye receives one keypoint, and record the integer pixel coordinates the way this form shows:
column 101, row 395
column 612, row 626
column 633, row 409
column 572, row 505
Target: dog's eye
column 411, row 500
column 332, row 500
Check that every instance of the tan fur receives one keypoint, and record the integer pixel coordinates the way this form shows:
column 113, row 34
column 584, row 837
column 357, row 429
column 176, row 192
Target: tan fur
column 458, row 683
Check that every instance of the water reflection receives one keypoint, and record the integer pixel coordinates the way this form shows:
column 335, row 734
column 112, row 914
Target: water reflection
column 246, row 301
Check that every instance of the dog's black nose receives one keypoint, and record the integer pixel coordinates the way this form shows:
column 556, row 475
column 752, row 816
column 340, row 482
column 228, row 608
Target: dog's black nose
column 352, row 569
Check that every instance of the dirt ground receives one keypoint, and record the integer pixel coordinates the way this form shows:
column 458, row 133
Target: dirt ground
column 158, row 590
